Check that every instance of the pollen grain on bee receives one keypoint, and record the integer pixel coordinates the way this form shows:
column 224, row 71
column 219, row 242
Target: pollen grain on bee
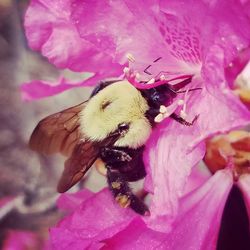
column 116, row 185
column 123, row 200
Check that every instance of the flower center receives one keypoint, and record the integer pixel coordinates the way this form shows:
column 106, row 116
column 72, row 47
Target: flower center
column 229, row 151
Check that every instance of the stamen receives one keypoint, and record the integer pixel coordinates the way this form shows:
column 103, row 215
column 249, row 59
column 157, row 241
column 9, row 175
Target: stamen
column 126, row 70
column 151, row 81
column 138, row 76
column 163, row 109
column 183, row 114
column 163, row 77
column 159, row 118
column 180, row 102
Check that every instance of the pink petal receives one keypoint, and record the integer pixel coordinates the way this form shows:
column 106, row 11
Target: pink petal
column 49, row 29
column 198, row 221
column 38, row 89
column 237, row 65
column 138, row 33
column 198, row 176
column 170, row 162
column 174, row 149
column 217, row 22
column 196, row 226
column 135, row 236
column 244, row 185
column 70, row 201
column 97, row 218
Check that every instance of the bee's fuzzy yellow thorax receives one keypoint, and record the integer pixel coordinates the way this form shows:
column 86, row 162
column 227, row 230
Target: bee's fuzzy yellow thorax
column 118, row 103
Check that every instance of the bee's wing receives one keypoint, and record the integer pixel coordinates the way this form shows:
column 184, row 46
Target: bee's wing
column 75, row 167
column 84, row 155
column 58, row 133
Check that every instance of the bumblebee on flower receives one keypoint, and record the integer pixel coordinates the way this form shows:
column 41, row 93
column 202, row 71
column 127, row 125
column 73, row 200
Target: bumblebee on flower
column 166, row 42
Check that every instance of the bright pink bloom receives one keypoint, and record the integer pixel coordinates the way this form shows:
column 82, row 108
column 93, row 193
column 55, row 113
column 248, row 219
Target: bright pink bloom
column 198, row 38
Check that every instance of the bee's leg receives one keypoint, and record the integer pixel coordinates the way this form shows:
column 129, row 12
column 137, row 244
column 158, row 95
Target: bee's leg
column 135, row 169
column 183, row 121
column 122, row 192
column 113, row 155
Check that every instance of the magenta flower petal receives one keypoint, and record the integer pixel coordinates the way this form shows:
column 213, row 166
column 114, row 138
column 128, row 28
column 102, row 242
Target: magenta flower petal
column 139, row 34
column 216, row 22
column 198, row 176
column 195, row 227
column 169, row 144
column 174, row 149
column 97, row 218
column 70, row 201
column 195, row 219
column 135, row 236
column 237, row 65
column 49, row 29
column 39, row 89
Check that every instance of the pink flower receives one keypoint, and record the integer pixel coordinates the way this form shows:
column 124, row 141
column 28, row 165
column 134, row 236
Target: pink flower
column 198, row 38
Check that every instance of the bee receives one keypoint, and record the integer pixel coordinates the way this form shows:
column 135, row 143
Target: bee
column 113, row 126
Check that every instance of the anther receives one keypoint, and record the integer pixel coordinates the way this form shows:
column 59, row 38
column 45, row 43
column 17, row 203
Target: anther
column 137, row 76
column 183, row 114
column 159, row 118
column 162, row 78
column 151, row 81
column 126, row 70
column 180, row 102
column 163, row 109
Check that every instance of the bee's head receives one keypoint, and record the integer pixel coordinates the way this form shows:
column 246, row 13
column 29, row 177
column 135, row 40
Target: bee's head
column 119, row 107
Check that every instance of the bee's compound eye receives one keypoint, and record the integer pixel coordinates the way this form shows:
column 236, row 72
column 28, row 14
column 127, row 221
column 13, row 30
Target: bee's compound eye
column 123, row 126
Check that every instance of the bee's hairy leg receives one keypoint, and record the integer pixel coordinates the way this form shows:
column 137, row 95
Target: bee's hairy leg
column 183, row 121
column 122, row 192
column 112, row 155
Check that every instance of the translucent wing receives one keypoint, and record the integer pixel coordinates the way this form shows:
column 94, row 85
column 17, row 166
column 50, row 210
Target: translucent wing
column 84, row 155
column 58, row 133
column 75, row 167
